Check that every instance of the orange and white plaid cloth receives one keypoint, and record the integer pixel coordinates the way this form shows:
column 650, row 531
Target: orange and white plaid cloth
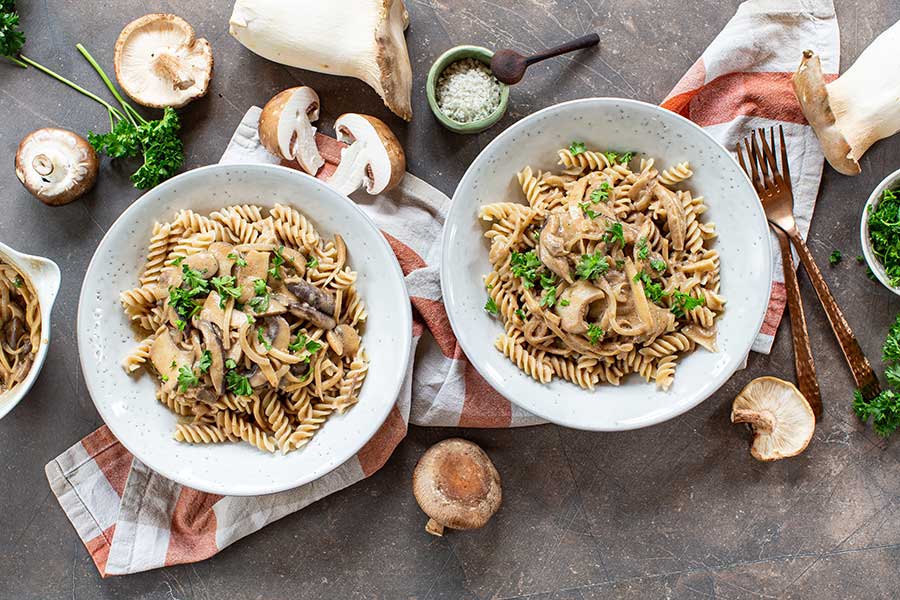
column 131, row 519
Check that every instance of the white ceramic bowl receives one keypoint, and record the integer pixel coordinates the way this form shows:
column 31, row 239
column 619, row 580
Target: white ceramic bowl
column 43, row 275
column 127, row 404
column 892, row 181
column 609, row 123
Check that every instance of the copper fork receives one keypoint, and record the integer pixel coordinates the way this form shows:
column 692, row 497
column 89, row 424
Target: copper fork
column 774, row 189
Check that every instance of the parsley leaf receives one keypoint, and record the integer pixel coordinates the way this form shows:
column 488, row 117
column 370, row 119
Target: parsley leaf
column 643, row 248
column 611, row 156
column 227, row 288
column 835, row 257
column 205, row 361
column 277, row 261
column 588, row 212
column 549, row 297
column 653, row 290
column 491, row 307
column 884, row 233
column 595, row 333
column 260, row 302
column 577, row 148
column 601, row 194
column 260, row 336
column 658, row 264
column 230, row 364
column 520, row 313
column 591, row 266
column 614, row 233
column 18, row 282
column 564, row 302
column 304, row 343
column 186, row 379
column 238, row 384
column 312, row 263
column 11, row 37
column 526, row 265
column 238, row 259
column 684, row 303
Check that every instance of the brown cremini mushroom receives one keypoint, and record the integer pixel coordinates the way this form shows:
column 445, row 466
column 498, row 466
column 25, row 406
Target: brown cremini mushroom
column 159, row 62
column 781, row 418
column 374, row 157
column 285, row 127
column 56, row 165
column 457, row 486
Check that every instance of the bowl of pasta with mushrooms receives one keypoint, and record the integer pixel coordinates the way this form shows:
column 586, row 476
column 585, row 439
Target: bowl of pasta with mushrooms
column 28, row 287
column 244, row 329
column 617, row 256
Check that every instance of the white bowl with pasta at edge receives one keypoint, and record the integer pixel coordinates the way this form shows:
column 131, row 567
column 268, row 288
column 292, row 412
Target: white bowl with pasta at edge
column 128, row 405
column 650, row 131
column 43, row 275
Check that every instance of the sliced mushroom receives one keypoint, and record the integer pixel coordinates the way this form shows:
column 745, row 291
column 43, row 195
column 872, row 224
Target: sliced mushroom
column 204, row 263
column 256, row 268
column 344, row 340
column 169, row 277
column 674, row 215
column 275, row 332
column 159, row 62
column 457, row 486
column 221, row 250
column 56, row 165
column 212, row 341
column 286, row 130
column 702, row 336
column 166, row 357
column 780, row 416
column 362, row 39
column 374, row 157
column 552, row 245
column 13, row 330
column 574, row 303
column 316, row 317
column 255, row 377
column 310, row 294
column 294, row 262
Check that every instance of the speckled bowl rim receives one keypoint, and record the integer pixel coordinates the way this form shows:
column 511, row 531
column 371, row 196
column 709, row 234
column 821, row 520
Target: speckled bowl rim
column 44, row 277
column 347, row 450
column 437, row 67
column 496, row 380
column 891, row 181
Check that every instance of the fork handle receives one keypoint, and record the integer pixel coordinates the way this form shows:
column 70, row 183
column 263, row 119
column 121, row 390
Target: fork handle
column 803, row 358
column 859, row 364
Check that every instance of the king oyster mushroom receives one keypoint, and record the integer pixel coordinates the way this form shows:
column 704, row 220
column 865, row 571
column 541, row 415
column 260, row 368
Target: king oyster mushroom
column 780, row 416
column 286, row 130
column 457, row 486
column 56, row 165
column 212, row 341
column 374, row 157
column 362, row 39
column 159, row 62
column 574, row 304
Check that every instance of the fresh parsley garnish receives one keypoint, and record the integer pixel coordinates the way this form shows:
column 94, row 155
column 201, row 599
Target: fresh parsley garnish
column 643, row 248
column 520, row 313
column 884, row 233
column 238, row 384
column 595, row 333
column 277, row 261
column 658, row 264
column 301, row 342
column 617, row 157
column 884, row 409
column 312, row 263
column 260, row 336
column 577, row 148
column 652, row 289
column 614, row 233
column 11, row 37
column 205, row 361
column 17, row 282
column 526, row 265
column 260, row 302
column 227, row 288
column 684, row 303
column 491, row 307
column 588, row 212
column 186, row 379
column 238, row 259
column 601, row 194
column 230, row 364
column 835, row 257
column 564, row 302
column 549, row 297
column 591, row 266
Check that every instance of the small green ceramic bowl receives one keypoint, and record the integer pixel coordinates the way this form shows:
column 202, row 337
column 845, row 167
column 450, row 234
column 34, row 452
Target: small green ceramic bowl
column 446, row 59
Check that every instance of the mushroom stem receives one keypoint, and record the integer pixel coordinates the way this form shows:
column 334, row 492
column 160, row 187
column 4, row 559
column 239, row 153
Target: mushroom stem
column 762, row 421
column 42, row 164
column 434, row 528
column 170, row 66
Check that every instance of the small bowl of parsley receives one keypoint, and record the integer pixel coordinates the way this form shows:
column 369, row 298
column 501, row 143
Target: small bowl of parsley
column 880, row 232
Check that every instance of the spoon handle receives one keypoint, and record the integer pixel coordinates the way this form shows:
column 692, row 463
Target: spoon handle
column 585, row 41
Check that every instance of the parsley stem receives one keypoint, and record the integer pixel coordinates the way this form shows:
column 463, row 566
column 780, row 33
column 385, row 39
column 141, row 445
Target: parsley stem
column 130, row 112
column 112, row 109
column 16, row 61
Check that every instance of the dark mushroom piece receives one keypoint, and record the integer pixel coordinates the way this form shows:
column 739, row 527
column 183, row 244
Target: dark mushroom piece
column 310, row 294
column 316, row 317
column 13, row 330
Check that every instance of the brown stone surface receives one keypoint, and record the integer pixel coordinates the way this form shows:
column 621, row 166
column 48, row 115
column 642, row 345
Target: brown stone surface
column 679, row 510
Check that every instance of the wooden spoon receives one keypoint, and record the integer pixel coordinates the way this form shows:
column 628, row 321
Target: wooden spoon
column 509, row 66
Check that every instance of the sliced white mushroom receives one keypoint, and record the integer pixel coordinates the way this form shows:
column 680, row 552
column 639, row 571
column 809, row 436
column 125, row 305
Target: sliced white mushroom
column 159, row 62
column 574, row 303
column 362, row 39
column 374, row 157
column 56, row 165
column 285, row 127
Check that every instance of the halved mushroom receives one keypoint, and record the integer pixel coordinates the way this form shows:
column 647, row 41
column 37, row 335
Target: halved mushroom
column 374, row 157
column 781, row 418
column 457, row 486
column 285, row 127
column 159, row 62
column 310, row 294
column 212, row 341
column 552, row 244
column 204, row 263
column 56, row 165
column 574, row 303
column 294, row 262
column 167, row 357
column 256, row 268
column 344, row 340
column 275, row 333
column 221, row 250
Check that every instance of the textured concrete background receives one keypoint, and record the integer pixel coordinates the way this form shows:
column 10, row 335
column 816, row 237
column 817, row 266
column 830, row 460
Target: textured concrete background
column 678, row 510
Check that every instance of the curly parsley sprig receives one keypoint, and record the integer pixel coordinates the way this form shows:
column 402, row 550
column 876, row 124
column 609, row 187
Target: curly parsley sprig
column 884, row 409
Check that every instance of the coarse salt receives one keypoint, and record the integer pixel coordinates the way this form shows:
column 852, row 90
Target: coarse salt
column 466, row 91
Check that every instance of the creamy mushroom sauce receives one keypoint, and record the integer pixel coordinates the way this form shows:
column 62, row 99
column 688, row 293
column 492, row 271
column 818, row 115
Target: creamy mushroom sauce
column 20, row 326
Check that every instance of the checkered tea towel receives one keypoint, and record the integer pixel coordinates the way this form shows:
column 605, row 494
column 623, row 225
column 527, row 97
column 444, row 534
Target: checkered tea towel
column 131, row 519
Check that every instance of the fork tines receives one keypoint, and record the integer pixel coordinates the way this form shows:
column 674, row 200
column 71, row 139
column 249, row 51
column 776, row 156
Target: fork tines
column 764, row 170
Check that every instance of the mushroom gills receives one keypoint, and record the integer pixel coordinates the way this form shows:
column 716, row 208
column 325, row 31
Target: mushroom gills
column 780, row 416
column 352, row 170
column 56, row 166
